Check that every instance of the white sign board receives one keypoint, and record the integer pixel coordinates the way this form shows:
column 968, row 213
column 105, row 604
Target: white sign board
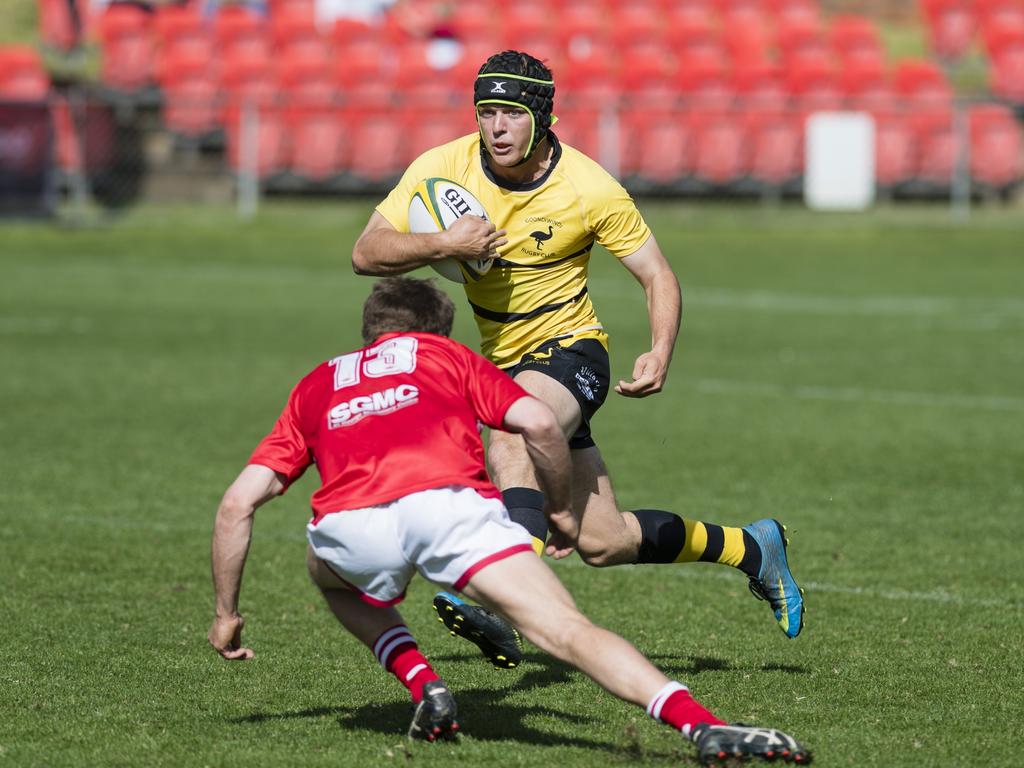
column 840, row 161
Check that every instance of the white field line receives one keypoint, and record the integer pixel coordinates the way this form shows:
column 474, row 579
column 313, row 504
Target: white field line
column 859, row 394
column 909, row 306
column 936, row 596
column 11, row 326
column 988, row 310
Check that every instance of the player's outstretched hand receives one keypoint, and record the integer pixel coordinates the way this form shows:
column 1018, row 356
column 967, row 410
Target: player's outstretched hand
column 649, row 373
column 225, row 636
column 559, row 546
column 471, row 237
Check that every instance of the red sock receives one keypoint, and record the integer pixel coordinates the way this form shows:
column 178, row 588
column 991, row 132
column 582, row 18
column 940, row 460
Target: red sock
column 397, row 652
column 674, row 706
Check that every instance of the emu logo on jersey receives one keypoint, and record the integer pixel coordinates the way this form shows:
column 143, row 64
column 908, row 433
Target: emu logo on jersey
column 542, row 237
column 378, row 404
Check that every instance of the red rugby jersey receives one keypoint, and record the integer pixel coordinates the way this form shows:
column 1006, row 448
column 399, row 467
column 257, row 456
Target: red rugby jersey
column 388, row 420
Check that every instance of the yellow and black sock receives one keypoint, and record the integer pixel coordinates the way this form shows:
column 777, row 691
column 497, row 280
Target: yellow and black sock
column 668, row 538
column 526, row 507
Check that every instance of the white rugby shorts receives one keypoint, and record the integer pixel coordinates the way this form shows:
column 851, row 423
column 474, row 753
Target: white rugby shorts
column 445, row 534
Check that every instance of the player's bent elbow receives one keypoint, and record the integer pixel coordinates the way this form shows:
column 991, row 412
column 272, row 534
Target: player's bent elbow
column 361, row 265
column 599, row 553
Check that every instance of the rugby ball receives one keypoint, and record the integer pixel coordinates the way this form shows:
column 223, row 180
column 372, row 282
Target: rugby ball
column 435, row 204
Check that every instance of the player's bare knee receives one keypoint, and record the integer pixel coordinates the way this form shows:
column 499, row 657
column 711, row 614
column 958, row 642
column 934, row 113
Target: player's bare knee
column 560, row 635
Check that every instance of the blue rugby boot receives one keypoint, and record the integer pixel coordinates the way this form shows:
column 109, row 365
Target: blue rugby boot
column 775, row 582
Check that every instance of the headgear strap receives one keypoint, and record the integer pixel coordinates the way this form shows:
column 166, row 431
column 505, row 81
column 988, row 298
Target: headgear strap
column 533, row 95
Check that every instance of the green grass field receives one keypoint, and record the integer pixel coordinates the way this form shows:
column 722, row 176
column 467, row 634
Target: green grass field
column 860, row 378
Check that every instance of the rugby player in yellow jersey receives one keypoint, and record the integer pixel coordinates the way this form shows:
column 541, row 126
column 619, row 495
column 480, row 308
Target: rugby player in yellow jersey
column 549, row 205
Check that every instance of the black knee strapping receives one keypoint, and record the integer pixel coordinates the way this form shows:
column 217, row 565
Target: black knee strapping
column 662, row 536
column 526, row 507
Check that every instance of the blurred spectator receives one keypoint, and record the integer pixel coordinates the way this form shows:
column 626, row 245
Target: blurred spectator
column 97, row 6
column 210, row 7
column 370, row 11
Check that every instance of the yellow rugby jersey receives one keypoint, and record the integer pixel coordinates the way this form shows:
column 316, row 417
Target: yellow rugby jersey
column 537, row 290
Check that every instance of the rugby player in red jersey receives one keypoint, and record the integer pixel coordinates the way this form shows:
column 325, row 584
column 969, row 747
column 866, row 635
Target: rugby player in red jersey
column 393, row 429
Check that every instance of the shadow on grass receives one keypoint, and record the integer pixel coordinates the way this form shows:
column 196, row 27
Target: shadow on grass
column 790, row 669
column 481, row 717
column 484, row 713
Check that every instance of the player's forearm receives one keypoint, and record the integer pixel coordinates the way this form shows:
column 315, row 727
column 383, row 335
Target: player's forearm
column 385, row 252
column 551, row 461
column 664, row 310
column 232, row 533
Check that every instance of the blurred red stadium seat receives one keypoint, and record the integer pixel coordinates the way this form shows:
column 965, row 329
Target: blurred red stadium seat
column 247, row 82
column 293, row 26
column 759, row 85
column 990, row 10
column 346, row 31
column 746, row 39
column 364, row 72
column 426, row 127
column 56, row 27
column 278, row 7
column 238, row 31
column 794, row 10
column 1003, row 32
column 581, row 27
column 635, row 23
column 720, row 156
column 174, row 23
column 309, row 50
column 319, row 148
column 690, row 27
column 704, row 82
column 811, row 82
column 775, row 139
column 850, row 34
column 894, row 150
column 922, row 84
column 1006, row 76
column 473, row 54
column 306, row 85
column 191, row 98
column 952, row 25
column 22, row 77
column 128, row 51
column 866, row 88
column 378, row 141
column 474, row 19
column 592, row 79
column 180, row 32
column 995, row 157
column 649, row 65
column 579, row 125
column 271, row 154
column 798, row 33
column 517, row 31
column 657, row 148
column 935, row 146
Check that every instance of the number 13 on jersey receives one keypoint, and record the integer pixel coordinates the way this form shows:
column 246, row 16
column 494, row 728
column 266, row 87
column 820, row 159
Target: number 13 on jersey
column 397, row 355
